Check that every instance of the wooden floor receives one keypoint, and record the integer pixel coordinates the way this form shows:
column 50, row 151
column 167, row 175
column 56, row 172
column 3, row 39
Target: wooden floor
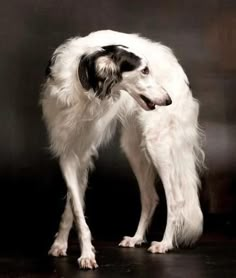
column 211, row 258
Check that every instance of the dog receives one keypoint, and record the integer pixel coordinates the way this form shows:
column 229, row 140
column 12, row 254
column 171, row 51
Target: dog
column 96, row 81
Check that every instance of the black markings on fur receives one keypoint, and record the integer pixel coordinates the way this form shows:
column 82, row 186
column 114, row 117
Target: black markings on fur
column 89, row 77
column 85, row 72
column 51, row 62
column 125, row 60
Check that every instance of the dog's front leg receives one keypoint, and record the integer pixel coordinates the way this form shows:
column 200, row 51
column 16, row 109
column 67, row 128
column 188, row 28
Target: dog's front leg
column 60, row 243
column 69, row 167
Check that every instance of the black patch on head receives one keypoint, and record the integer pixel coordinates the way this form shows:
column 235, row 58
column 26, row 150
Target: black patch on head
column 89, row 78
column 50, row 64
column 125, row 60
column 87, row 71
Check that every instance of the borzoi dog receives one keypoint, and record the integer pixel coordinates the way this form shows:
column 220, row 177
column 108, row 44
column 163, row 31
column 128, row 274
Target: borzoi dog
column 92, row 83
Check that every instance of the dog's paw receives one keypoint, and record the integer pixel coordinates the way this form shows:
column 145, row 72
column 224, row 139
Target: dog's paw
column 131, row 242
column 159, row 247
column 87, row 262
column 58, row 249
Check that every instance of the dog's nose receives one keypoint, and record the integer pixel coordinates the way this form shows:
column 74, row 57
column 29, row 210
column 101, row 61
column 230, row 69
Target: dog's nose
column 168, row 101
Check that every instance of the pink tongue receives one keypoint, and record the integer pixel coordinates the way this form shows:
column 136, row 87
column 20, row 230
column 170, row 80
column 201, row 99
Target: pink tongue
column 149, row 103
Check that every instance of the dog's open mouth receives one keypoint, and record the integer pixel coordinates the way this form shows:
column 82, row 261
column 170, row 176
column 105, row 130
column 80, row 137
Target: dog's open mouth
column 150, row 105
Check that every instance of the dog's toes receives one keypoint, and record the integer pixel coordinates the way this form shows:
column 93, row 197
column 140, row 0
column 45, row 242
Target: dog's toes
column 87, row 263
column 58, row 250
column 130, row 242
column 159, row 247
column 127, row 242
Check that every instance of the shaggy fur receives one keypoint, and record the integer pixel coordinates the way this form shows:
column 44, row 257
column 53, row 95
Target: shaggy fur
column 92, row 83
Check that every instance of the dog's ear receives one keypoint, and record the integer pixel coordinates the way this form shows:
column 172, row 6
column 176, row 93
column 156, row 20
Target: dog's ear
column 105, row 86
column 108, row 75
column 101, row 79
column 83, row 70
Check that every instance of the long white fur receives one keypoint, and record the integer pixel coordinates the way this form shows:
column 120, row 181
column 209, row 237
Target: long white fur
column 164, row 141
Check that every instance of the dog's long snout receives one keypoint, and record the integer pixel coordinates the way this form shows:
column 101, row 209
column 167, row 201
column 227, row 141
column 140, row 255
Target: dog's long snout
column 165, row 101
column 168, row 100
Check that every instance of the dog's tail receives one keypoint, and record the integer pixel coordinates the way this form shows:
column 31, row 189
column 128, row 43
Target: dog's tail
column 189, row 223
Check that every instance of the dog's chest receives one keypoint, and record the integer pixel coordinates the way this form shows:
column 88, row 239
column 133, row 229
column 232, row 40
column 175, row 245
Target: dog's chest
column 92, row 128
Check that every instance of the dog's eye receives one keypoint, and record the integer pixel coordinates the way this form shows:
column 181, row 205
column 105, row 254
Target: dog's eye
column 145, row 70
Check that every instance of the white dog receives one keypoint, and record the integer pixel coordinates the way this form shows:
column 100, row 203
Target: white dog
column 92, row 83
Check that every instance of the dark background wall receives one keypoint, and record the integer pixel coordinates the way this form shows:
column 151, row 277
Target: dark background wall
column 202, row 34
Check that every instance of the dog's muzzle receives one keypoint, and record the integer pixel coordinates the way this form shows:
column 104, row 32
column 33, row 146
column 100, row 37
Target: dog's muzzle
column 149, row 104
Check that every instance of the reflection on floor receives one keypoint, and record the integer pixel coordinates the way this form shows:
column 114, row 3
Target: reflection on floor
column 212, row 257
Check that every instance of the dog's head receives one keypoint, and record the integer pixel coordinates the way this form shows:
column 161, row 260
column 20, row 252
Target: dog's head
column 114, row 68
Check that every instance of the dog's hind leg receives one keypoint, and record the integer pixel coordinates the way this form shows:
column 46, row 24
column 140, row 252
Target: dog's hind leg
column 145, row 174
column 173, row 158
column 160, row 153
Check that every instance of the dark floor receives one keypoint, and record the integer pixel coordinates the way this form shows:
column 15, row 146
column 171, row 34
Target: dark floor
column 213, row 257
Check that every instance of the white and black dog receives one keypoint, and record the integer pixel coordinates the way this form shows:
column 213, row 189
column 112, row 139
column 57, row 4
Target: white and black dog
column 92, row 83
